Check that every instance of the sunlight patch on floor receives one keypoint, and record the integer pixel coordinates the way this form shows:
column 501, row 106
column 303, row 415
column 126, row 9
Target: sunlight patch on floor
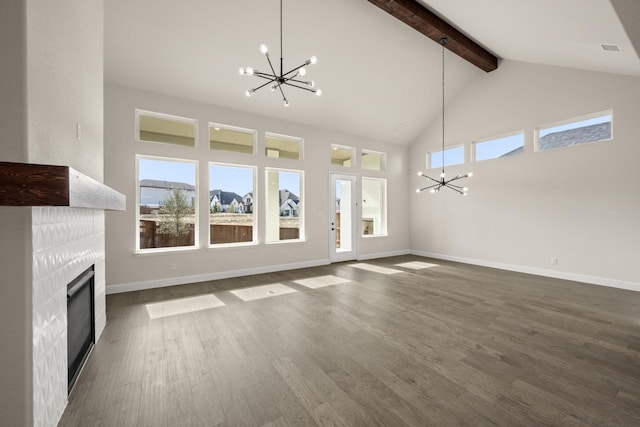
column 375, row 268
column 416, row 265
column 174, row 307
column 264, row 291
column 321, row 281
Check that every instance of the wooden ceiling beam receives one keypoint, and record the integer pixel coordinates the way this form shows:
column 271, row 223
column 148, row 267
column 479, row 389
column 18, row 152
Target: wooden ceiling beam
column 422, row 19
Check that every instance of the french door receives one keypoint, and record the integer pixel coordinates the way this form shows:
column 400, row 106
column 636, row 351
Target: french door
column 342, row 218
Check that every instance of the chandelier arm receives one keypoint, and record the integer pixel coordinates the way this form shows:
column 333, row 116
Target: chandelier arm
column 448, row 184
column 455, row 178
column 430, row 186
column 284, row 98
column 265, row 76
column 293, row 70
column 263, row 85
column 270, row 65
column 299, row 87
column 297, row 81
column 432, row 179
column 454, row 188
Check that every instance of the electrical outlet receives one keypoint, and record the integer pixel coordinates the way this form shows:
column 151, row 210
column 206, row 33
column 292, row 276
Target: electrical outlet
column 172, row 266
column 554, row 261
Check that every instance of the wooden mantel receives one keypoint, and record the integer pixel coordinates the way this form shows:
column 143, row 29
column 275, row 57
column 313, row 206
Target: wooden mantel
column 26, row 184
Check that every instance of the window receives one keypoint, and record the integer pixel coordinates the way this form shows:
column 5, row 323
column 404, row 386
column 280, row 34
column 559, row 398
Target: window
column 231, row 204
column 167, row 200
column 374, row 160
column 157, row 127
column 452, row 156
column 374, row 207
column 284, row 208
column 575, row 132
column 506, row 146
column 286, row 147
column 229, row 138
column 341, row 155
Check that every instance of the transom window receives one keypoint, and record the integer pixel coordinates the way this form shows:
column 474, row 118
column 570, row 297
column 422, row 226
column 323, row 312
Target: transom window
column 230, row 138
column 167, row 129
column 374, row 160
column 342, row 155
column 452, row 156
column 505, row 146
column 282, row 146
column 575, row 131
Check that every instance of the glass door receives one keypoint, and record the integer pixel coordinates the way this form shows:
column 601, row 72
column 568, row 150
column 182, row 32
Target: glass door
column 342, row 218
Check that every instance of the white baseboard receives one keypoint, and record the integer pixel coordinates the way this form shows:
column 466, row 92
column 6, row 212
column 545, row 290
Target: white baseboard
column 181, row 280
column 594, row 280
column 363, row 257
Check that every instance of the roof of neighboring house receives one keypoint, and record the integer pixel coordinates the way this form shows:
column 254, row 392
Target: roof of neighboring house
column 286, row 195
column 155, row 183
column 225, row 197
column 567, row 138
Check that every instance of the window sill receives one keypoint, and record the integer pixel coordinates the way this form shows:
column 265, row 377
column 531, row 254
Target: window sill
column 161, row 251
column 232, row 245
column 281, row 242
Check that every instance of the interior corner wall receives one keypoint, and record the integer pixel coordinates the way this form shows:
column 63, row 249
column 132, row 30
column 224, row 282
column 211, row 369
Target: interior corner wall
column 577, row 204
column 127, row 270
column 15, row 226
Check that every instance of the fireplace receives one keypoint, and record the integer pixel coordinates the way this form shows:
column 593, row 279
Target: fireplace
column 80, row 323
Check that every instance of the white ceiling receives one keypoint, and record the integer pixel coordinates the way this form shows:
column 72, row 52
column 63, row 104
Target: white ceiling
column 380, row 79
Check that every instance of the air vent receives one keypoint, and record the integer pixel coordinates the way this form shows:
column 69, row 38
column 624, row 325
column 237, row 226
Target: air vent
column 610, row 47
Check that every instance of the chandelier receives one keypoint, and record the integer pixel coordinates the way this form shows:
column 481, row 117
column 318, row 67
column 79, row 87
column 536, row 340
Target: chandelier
column 437, row 184
column 276, row 81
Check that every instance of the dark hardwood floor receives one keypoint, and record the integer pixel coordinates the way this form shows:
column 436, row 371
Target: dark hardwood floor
column 448, row 345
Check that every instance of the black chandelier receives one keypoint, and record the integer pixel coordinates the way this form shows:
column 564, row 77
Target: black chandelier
column 277, row 81
column 442, row 182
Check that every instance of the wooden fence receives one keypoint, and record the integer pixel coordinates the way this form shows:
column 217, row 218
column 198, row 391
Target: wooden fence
column 220, row 233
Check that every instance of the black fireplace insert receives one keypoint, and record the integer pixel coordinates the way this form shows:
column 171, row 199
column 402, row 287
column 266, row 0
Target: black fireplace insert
column 80, row 323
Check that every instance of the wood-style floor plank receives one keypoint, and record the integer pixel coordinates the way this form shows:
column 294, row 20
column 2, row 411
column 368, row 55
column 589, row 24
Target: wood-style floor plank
column 448, row 345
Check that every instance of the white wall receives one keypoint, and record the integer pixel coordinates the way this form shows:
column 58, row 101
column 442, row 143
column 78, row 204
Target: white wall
column 126, row 270
column 580, row 204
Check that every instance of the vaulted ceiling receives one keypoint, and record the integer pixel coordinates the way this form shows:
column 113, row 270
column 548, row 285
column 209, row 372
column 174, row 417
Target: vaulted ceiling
column 380, row 78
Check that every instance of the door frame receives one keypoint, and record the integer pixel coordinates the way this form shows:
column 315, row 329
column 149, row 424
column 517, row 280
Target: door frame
column 335, row 256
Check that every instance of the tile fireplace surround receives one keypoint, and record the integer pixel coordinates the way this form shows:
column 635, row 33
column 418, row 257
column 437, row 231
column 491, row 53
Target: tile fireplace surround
column 66, row 241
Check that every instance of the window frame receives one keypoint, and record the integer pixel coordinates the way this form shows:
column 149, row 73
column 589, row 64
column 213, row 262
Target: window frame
column 538, row 129
column 254, row 241
column 495, row 138
column 146, row 113
column 196, row 203
column 301, row 211
column 385, row 207
column 214, row 125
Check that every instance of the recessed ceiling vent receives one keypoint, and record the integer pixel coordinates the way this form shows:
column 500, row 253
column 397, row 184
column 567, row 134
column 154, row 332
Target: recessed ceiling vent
column 610, row 47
